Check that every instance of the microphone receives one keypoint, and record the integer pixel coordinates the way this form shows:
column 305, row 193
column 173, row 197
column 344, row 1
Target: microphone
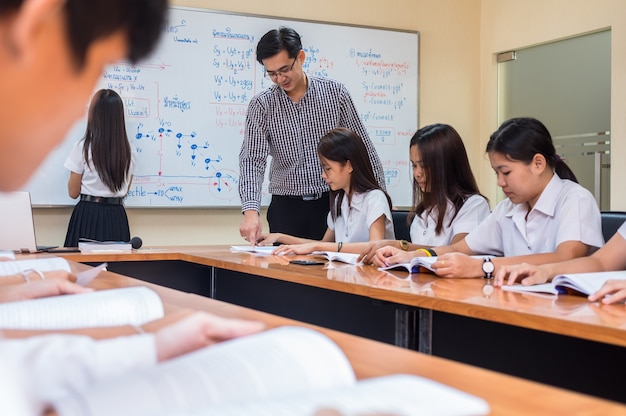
column 136, row 242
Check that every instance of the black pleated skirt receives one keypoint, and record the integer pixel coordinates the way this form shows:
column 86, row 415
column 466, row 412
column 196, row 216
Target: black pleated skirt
column 102, row 222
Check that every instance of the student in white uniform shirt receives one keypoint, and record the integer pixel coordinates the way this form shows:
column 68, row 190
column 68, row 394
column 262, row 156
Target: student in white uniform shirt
column 611, row 257
column 546, row 217
column 447, row 204
column 101, row 168
column 360, row 211
column 55, row 50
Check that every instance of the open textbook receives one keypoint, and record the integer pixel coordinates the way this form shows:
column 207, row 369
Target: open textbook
column 48, row 264
column 416, row 265
column 113, row 307
column 284, row 371
column 585, row 283
column 420, row 264
column 350, row 258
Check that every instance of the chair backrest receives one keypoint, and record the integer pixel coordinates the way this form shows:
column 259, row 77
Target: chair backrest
column 611, row 221
column 400, row 226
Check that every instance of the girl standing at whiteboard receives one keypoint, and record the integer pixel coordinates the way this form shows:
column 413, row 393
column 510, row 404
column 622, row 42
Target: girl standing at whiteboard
column 447, row 204
column 101, row 167
column 360, row 210
column 547, row 216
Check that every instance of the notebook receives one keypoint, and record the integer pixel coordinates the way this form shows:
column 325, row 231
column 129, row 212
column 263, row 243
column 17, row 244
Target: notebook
column 17, row 229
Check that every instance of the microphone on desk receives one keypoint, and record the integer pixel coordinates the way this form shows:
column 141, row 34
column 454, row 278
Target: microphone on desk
column 136, row 242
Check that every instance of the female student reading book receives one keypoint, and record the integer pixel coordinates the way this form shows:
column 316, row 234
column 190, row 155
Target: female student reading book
column 611, row 257
column 447, row 204
column 101, row 169
column 546, row 217
column 360, row 210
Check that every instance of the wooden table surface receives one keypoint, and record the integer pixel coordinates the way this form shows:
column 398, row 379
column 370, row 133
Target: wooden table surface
column 566, row 315
column 505, row 394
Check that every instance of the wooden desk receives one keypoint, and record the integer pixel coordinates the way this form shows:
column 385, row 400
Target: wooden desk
column 564, row 341
column 506, row 395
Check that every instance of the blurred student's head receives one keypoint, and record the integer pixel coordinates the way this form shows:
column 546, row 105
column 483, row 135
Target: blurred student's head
column 52, row 53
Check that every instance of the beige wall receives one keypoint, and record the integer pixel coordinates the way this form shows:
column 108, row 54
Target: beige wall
column 458, row 42
column 511, row 24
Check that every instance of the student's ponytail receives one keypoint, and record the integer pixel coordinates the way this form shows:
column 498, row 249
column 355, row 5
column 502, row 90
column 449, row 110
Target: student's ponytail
column 564, row 171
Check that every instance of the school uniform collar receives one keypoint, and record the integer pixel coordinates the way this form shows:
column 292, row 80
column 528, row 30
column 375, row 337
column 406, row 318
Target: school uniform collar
column 356, row 202
column 546, row 203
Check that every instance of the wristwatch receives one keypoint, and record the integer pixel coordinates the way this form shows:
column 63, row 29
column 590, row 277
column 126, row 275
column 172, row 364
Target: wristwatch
column 404, row 245
column 488, row 268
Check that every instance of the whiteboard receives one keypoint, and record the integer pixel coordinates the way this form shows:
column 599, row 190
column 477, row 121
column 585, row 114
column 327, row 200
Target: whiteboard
column 186, row 105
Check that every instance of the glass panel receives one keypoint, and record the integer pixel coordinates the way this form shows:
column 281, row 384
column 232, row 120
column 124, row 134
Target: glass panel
column 567, row 85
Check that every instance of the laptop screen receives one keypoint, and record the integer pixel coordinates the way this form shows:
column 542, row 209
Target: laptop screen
column 17, row 230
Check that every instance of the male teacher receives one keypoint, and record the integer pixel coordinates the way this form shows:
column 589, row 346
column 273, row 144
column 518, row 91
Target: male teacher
column 287, row 121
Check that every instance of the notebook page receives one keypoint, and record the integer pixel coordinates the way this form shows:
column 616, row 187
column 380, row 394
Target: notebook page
column 114, row 307
column 278, row 362
column 8, row 268
column 404, row 395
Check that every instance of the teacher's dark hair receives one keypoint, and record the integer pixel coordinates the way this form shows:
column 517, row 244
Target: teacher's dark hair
column 522, row 138
column 342, row 145
column 276, row 40
column 91, row 20
column 449, row 177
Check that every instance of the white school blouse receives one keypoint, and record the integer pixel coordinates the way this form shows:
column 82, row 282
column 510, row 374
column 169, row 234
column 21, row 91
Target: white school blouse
column 473, row 211
column 51, row 366
column 565, row 211
column 353, row 225
column 91, row 183
column 622, row 230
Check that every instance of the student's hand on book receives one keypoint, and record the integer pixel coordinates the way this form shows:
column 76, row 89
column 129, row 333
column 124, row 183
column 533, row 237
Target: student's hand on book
column 268, row 239
column 367, row 256
column 39, row 289
column 388, row 256
column 612, row 291
column 306, row 248
column 199, row 330
column 60, row 275
column 526, row 274
column 458, row 265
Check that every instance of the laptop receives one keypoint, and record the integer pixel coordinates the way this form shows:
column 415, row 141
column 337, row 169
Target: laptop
column 17, row 229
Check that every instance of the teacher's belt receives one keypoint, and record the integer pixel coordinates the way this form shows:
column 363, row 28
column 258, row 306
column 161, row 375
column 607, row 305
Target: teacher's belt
column 307, row 197
column 101, row 199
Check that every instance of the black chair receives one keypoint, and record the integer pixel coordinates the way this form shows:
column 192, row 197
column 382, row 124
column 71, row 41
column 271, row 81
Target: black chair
column 400, row 226
column 611, row 221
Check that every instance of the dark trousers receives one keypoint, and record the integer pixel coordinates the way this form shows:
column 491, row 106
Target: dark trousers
column 297, row 217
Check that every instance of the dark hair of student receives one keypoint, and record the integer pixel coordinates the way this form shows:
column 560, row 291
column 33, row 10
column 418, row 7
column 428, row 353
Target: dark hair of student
column 276, row 40
column 522, row 138
column 106, row 138
column 90, row 20
column 448, row 173
column 343, row 145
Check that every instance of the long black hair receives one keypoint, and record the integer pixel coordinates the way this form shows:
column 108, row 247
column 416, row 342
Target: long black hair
column 448, row 173
column 106, row 139
column 343, row 145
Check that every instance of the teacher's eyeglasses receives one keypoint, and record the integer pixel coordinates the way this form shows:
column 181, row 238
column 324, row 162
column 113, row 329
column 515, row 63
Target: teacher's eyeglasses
column 282, row 71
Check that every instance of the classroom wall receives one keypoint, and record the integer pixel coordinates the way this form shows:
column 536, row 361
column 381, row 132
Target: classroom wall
column 458, row 43
column 510, row 24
